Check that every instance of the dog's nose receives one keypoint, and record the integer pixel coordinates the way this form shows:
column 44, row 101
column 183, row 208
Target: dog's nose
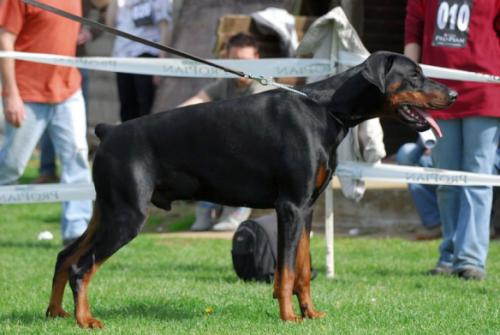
column 452, row 94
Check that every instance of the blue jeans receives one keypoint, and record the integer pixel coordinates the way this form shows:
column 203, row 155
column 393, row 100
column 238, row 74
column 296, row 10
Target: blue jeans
column 47, row 156
column 65, row 124
column 424, row 196
column 468, row 144
column 47, row 151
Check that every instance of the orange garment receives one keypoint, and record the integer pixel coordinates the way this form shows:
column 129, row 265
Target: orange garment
column 43, row 32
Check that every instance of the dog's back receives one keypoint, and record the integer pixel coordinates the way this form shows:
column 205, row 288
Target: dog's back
column 227, row 151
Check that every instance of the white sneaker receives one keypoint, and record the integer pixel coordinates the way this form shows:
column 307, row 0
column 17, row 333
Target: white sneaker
column 204, row 214
column 231, row 218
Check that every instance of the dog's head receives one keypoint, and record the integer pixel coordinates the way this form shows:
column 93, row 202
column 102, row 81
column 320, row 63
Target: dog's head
column 407, row 91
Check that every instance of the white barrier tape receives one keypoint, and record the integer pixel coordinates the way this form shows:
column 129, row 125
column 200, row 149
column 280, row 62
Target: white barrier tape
column 19, row 194
column 269, row 67
column 414, row 175
column 175, row 67
column 451, row 74
column 29, row 194
column 351, row 59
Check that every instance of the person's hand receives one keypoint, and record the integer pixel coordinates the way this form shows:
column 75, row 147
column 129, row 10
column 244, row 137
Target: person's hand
column 13, row 109
column 84, row 36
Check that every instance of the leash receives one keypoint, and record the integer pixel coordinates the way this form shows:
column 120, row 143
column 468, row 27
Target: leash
column 260, row 79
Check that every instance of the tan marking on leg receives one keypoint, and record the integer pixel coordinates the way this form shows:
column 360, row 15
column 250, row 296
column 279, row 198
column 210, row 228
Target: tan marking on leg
column 82, row 310
column 302, row 287
column 61, row 277
column 55, row 305
column 284, row 295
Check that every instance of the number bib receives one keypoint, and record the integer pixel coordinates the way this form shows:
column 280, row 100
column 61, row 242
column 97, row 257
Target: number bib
column 142, row 14
column 452, row 23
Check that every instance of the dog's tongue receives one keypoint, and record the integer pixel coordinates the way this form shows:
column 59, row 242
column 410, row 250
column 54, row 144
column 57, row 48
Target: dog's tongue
column 434, row 125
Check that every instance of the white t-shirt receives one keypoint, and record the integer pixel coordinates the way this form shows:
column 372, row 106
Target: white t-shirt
column 140, row 18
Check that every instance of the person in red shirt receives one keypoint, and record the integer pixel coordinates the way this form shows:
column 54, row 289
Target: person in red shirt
column 39, row 97
column 462, row 34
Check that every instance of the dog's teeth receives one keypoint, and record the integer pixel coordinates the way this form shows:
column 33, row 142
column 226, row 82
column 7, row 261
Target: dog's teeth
column 411, row 113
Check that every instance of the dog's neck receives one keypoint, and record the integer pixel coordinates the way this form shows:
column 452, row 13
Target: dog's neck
column 346, row 95
column 353, row 106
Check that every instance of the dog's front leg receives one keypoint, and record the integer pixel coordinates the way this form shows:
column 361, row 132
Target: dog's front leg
column 302, row 287
column 290, row 224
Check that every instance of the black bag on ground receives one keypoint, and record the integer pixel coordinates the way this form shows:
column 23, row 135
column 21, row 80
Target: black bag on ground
column 255, row 249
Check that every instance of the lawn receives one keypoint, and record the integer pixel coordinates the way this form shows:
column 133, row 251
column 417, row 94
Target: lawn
column 164, row 285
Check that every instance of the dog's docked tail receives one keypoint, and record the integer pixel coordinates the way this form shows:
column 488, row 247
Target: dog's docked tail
column 102, row 130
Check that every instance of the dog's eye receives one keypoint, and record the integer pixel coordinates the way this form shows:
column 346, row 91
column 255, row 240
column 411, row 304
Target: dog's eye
column 414, row 79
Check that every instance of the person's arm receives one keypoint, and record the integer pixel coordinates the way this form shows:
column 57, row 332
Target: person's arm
column 197, row 99
column 111, row 13
column 12, row 102
column 413, row 51
column 414, row 29
column 212, row 92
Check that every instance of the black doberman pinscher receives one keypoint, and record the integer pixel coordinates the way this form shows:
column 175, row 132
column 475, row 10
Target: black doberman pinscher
column 270, row 150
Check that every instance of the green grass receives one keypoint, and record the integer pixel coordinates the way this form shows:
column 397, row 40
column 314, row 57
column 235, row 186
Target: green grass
column 162, row 285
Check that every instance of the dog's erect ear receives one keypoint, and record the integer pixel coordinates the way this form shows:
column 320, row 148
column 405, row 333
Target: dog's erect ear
column 376, row 68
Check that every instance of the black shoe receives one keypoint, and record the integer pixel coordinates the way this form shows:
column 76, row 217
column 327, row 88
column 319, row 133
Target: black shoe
column 471, row 274
column 440, row 270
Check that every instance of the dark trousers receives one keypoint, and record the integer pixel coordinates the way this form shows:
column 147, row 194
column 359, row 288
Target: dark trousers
column 136, row 93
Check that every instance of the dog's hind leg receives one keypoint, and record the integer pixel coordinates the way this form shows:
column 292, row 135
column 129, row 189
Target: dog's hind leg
column 117, row 228
column 59, row 281
column 302, row 286
column 65, row 259
column 291, row 222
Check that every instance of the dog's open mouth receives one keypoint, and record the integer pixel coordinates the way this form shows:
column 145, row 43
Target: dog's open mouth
column 420, row 118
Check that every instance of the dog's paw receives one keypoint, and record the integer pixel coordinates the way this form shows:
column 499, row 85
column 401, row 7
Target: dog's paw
column 294, row 319
column 312, row 314
column 89, row 322
column 56, row 312
column 291, row 318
